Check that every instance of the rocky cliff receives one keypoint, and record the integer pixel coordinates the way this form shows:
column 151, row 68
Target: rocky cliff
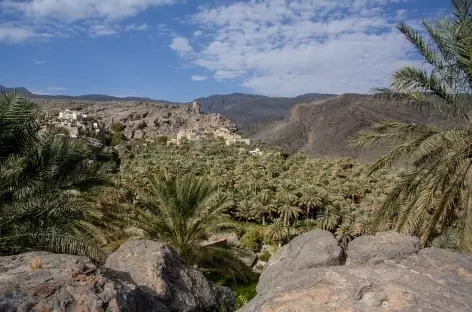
column 323, row 128
column 142, row 120
column 385, row 272
column 141, row 276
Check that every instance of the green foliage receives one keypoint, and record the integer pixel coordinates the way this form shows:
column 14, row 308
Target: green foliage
column 41, row 177
column 162, row 139
column 184, row 211
column 286, row 195
column 117, row 127
column 62, row 130
column 252, row 239
column 115, row 138
column 436, row 191
column 243, row 292
column 264, row 256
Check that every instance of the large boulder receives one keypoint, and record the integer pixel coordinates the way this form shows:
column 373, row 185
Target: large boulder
column 384, row 278
column 159, row 271
column 373, row 249
column 314, row 249
column 40, row 281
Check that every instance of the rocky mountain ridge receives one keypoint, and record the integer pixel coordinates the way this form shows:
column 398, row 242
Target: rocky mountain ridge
column 323, row 128
column 248, row 111
column 143, row 120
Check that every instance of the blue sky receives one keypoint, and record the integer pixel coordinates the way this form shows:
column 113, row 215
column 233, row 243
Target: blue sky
column 179, row 50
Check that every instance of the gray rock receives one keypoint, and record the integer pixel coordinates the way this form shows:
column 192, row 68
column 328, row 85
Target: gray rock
column 428, row 280
column 314, row 249
column 40, row 281
column 373, row 249
column 159, row 271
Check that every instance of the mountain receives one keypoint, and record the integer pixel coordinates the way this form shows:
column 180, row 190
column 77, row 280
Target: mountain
column 251, row 112
column 324, row 127
column 21, row 90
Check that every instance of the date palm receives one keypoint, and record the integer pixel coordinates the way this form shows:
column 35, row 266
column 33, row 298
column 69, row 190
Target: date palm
column 263, row 206
column 184, row 212
column 40, row 177
column 438, row 188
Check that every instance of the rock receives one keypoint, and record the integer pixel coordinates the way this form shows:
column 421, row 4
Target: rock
column 40, row 281
column 395, row 280
column 159, row 271
column 314, row 249
column 372, row 249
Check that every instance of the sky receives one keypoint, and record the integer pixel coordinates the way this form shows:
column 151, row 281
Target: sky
column 179, row 50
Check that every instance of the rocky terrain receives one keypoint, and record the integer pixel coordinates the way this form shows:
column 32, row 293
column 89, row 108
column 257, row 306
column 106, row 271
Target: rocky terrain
column 249, row 112
column 324, row 127
column 385, row 272
column 141, row 276
column 142, row 120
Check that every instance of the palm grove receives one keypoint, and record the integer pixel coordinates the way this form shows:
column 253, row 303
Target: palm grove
column 57, row 195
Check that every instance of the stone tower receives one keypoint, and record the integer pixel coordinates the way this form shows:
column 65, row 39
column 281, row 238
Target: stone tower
column 195, row 108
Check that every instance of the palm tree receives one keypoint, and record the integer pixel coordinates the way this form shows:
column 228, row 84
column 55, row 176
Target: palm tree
column 277, row 231
column 184, row 212
column 310, row 198
column 438, row 189
column 329, row 218
column 289, row 210
column 263, row 206
column 40, row 177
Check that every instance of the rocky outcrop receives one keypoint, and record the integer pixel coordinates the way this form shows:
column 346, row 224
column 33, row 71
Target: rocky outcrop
column 314, row 249
column 142, row 276
column 159, row 271
column 386, row 272
column 39, row 281
column 145, row 120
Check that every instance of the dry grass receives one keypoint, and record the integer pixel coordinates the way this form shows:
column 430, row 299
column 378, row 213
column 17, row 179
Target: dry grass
column 36, row 264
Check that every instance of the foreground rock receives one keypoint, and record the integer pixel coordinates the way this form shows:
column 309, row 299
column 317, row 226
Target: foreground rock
column 142, row 276
column 310, row 250
column 159, row 271
column 386, row 272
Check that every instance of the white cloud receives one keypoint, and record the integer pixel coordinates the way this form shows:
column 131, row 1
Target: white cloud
column 282, row 47
column 180, row 45
column 12, row 34
column 198, row 33
column 56, row 89
column 40, row 62
column 136, row 27
column 199, row 77
column 101, row 30
column 73, row 10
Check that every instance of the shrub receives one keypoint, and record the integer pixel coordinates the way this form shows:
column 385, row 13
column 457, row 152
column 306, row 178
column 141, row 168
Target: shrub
column 162, row 139
column 117, row 127
column 264, row 256
column 252, row 239
column 36, row 264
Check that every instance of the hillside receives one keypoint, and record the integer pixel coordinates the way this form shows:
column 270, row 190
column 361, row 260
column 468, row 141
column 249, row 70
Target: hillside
column 249, row 112
column 323, row 127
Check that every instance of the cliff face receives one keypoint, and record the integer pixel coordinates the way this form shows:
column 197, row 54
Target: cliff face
column 144, row 119
column 323, row 128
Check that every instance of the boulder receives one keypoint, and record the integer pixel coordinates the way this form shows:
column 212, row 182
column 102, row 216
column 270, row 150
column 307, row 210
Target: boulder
column 159, row 271
column 314, row 249
column 40, row 281
column 394, row 279
column 373, row 249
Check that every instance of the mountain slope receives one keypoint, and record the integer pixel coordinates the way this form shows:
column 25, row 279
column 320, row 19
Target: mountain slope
column 251, row 112
column 20, row 90
column 324, row 127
